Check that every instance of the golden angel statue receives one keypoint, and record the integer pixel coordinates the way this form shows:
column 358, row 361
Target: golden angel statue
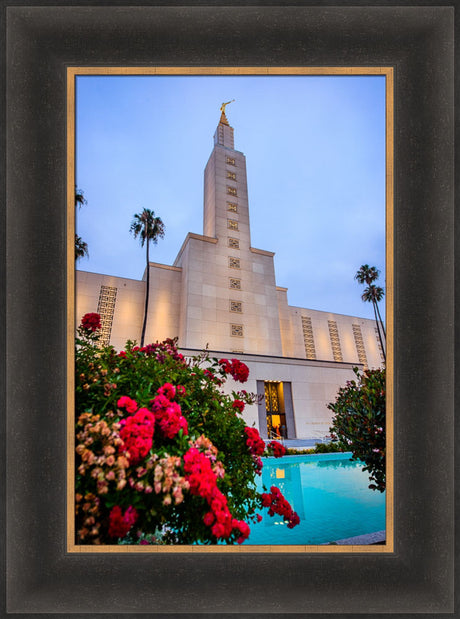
column 223, row 106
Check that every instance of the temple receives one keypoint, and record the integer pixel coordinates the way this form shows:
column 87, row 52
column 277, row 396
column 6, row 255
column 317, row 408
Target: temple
column 221, row 293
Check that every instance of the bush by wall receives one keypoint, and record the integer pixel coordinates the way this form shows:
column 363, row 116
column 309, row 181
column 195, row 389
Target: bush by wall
column 358, row 424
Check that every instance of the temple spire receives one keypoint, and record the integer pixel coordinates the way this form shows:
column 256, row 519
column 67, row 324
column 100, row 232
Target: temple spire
column 223, row 117
column 224, row 132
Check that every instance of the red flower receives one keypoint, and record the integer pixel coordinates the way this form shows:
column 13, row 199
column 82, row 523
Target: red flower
column 294, row 520
column 254, row 442
column 266, row 500
column 238, row 369
column 149, row 349
column 259, row 465
column 278, row 505
column 137, row 434
column 277, row 448
column 180, row 391
column 168, row 415
column 167, row 390
column 128, row 403
column 239, row 404
column 203, row 482
column 244, row 529
column 91, row 322
column 119, row 523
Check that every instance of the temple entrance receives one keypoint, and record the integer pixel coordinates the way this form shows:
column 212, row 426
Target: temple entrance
column 275, row 409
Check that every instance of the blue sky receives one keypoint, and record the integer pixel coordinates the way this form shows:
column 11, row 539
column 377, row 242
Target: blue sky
column 315, row 153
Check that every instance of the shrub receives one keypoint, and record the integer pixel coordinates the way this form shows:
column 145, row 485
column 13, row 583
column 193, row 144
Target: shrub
column 163, row 455
column 358, row 424
column 319, row 448
column 325, row 448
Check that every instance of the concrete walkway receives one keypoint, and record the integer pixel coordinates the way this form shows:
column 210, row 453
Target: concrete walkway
column 370, row 538
column 300, row 443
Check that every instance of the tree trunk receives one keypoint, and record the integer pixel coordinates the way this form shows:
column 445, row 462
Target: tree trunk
column 381, row 322
column 147, row 292
column 378, row 330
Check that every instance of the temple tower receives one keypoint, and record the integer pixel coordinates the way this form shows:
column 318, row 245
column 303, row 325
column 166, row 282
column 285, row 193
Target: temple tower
column 226, row 213
column 229, row 298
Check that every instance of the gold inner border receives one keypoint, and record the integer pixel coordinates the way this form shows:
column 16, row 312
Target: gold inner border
column 388, row 72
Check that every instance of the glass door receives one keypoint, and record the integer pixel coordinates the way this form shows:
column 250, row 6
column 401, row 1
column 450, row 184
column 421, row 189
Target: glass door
column 274, row 407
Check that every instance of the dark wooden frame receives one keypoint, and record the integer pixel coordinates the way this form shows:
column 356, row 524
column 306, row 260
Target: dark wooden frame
column 41, row 42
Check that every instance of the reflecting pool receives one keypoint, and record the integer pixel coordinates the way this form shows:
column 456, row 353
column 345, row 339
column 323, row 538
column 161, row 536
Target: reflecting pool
column 330, row 494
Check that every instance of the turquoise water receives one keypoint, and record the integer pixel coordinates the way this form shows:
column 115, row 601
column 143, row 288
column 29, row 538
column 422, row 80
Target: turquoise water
column 328, row 491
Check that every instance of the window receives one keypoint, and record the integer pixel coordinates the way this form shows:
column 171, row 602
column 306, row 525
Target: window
column 231, row 206
column 235, row 284
column 231, row 175
column 379, row 343
column 230, row 160
column 359, row 343
column 233, row 263
column 308, row 339
column 232, row 224
column 106, row 308
column 236, row 330
column 335, row 340
column 234, row 243
column 231, row 191
column 236, row 306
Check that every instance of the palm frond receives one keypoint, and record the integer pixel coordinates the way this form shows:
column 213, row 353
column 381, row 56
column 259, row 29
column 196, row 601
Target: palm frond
column 81, row 248
column 79, row 197
column 367, row 274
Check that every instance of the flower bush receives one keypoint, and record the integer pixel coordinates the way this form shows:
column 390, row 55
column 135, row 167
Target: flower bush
column 358, row 424
column 163, row 456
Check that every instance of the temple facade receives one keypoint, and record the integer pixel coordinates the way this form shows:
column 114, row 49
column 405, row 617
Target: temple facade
column 221, row 293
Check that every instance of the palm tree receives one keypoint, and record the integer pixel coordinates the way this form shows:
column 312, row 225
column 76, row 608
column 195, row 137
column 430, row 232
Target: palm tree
column 373, row 294
column 148, row 228
column 81, row 248
column 79, row 197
